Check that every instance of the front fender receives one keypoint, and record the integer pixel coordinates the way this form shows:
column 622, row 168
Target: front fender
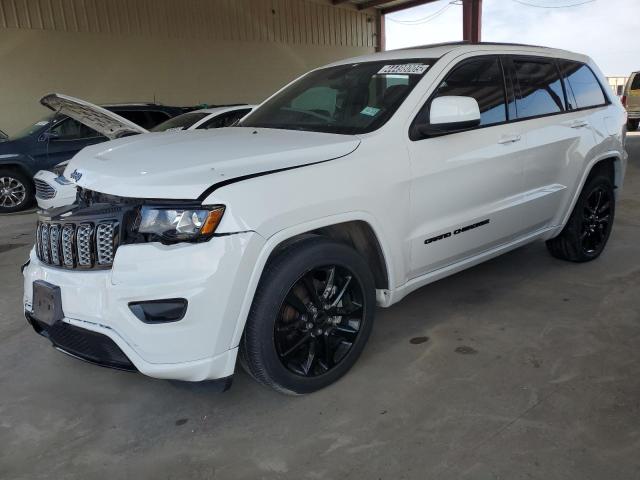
column 276, row 239
column 22, row 162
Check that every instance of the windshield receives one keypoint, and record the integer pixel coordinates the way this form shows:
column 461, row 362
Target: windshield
column 36, row 127
column 346, row 99
column 181, row 122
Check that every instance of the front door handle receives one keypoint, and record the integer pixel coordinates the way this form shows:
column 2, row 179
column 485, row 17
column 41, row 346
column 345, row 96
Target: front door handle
column 579, row 124
column 507, row 139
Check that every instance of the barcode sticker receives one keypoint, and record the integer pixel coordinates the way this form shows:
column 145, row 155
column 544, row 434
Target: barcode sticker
column 406, row 68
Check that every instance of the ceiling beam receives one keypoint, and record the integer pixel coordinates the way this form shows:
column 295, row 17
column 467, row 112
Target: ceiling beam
column 405, row 5
column 372, row 3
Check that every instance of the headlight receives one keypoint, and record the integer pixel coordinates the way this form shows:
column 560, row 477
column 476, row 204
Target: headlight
column 178, row 224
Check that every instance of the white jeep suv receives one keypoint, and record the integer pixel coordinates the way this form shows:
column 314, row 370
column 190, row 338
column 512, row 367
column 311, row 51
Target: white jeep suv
column 272, row 242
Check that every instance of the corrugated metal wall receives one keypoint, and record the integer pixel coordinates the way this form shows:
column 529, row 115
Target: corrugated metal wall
column 308, row 22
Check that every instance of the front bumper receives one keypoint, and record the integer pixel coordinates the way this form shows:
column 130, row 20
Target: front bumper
column 633, row 115
column 54, row 194
column 211, row 276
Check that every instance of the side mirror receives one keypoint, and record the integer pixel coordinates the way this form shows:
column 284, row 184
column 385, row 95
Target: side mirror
column 450, row 114
column 48, row 135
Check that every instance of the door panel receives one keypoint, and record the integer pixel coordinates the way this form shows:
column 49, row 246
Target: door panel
column 557, row 147
column 466, row 194
column 558, row 143
column 69, row 137
column 466, row 188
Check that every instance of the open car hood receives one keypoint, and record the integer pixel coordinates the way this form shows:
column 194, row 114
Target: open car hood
column 101, row 120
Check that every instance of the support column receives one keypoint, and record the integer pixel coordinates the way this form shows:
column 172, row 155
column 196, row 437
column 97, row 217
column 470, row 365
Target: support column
column 380, row 36
column 472, row 20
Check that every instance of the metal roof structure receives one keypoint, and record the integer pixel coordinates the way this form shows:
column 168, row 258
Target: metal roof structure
column 471, row 14
column 385, row 6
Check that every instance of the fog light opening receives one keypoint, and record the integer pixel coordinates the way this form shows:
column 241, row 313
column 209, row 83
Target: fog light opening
column 159, row 311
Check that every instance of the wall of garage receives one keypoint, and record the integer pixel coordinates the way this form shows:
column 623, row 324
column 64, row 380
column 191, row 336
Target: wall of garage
column 182, row 52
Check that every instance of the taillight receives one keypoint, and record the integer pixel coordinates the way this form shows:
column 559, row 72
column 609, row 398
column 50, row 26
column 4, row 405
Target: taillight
column 624, row 100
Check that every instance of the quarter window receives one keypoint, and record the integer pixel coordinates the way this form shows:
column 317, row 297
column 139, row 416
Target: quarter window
column 540, row 90
column 583, row 89
column 481, row 79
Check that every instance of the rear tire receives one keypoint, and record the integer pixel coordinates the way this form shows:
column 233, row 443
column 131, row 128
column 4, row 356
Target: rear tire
column 311, row 317
column 632, row 125
column 586, row 233
column 16, row 191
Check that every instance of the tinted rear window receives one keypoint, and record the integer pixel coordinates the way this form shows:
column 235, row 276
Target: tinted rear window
column 583, row 89
column 540, row 88
column 635, row 84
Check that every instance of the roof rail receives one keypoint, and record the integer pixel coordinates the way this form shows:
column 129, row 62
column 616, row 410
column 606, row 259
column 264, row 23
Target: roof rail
column 466, row 42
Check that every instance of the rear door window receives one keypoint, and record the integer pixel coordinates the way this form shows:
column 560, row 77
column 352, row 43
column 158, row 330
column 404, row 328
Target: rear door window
column 583, row 88
column 539, row 88
column 635, row 84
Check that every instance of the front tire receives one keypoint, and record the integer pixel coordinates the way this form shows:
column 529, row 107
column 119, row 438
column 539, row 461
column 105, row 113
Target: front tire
column 586, row 233
column 632, row 124
column 16, row 191
column 311, row 317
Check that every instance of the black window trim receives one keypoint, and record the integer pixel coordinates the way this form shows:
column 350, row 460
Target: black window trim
column 509, row 86
column 535, row 58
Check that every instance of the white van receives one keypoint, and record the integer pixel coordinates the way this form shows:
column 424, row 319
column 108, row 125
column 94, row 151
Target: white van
column 631, row 101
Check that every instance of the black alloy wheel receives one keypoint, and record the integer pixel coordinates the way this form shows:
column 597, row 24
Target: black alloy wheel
column 587, row 231
column 319, row 320
column 596, row 221
column 311, row 316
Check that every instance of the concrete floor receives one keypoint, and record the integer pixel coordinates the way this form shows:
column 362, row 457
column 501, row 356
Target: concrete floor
column 531, row 370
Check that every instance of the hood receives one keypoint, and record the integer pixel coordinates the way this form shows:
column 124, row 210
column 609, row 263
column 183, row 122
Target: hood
column 183, row 165
column 101, row 120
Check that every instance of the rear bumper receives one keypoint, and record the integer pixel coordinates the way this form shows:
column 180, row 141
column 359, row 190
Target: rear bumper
column 635, row 115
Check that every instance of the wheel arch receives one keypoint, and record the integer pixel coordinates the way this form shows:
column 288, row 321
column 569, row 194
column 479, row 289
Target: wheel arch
column 16, row 166
column 613, row 163
column 357, row 229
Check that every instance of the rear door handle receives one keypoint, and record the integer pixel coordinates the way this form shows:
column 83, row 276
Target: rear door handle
column 579, row 124
column 507, row 139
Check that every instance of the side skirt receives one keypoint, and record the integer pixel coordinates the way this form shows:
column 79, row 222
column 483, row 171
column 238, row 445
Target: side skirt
column 386, row 298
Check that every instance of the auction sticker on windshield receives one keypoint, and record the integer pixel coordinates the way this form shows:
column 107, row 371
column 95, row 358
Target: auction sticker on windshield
column 407, row 68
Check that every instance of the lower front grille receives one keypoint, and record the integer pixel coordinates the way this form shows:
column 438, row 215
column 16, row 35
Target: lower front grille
column 84, row 344
column 44, row 190
column 83, row 245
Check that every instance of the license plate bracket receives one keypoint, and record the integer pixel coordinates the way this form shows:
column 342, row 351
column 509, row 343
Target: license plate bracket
column 47, row 302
